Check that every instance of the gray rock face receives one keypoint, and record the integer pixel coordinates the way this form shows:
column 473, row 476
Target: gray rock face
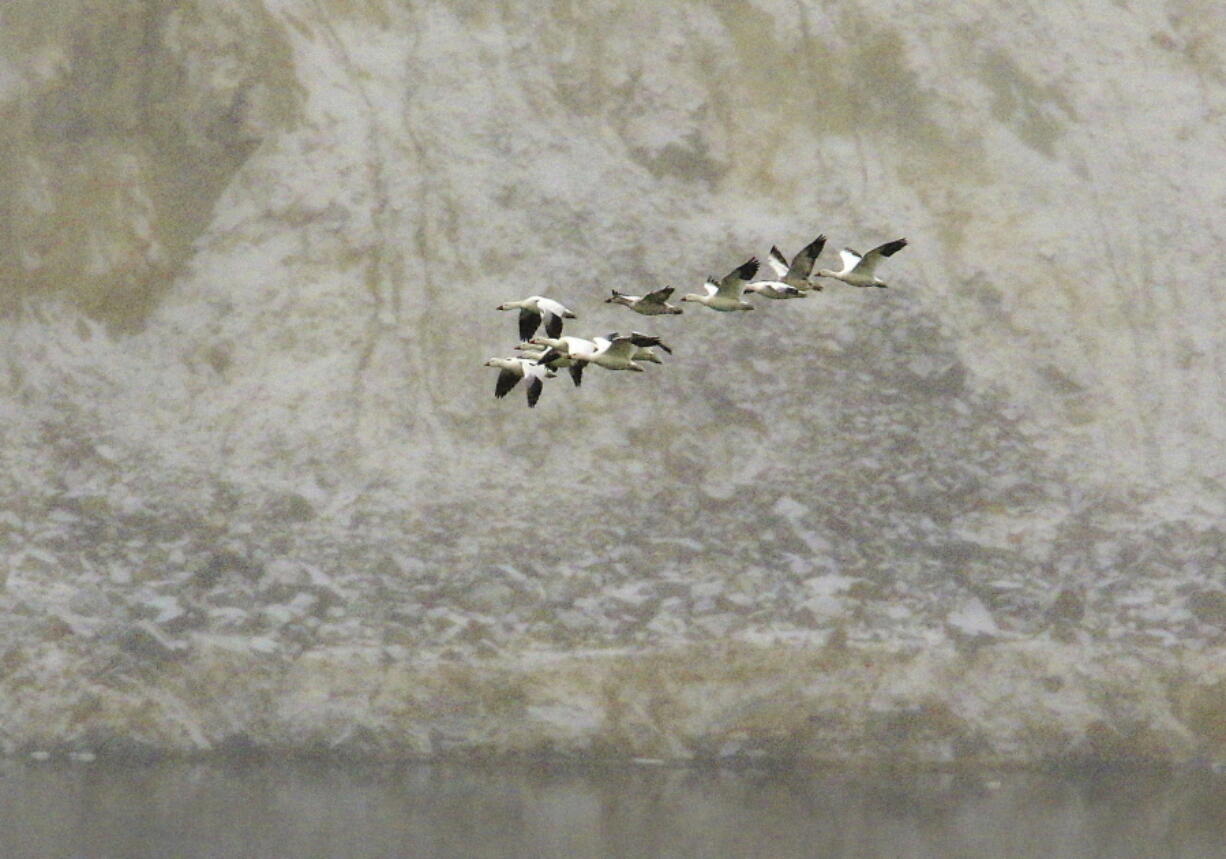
column 252, row 429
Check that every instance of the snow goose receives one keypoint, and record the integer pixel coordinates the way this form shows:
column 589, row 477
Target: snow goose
column 553, row 358
column 775, row 289
column 562, row 351
column 651, row 304
column 511, row 370
column 858, row 270
column 725, row 295
column 532, row 309
column 541, row 355
column 642, row 340
column 556, row 359
column 797, row 272
column 614, row 352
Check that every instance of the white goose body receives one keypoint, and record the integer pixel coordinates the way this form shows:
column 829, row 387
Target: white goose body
column 797, row 272
column 775, row 289
column 652, row 304
column 860, row 270
column 558, row 360
column 511, row 370
column 617, row 353
column 533, row 309
column 565, row 346
column 541, row 355
column 565, row 352
column 725, row 295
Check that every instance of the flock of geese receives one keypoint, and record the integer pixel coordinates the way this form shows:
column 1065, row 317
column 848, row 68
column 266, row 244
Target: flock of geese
column 540, row 358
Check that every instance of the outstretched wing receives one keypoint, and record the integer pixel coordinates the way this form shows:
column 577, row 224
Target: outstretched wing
column 535, row 386
column 880, row 252
column 734, row 282
column 529, row 321
column 802, row 263
column 550, row 355
column 507, row 379
column 776, row 261
column 553, row 325
column 850, row 259
column 621, row 347
column 640, row 339
column 658, row 296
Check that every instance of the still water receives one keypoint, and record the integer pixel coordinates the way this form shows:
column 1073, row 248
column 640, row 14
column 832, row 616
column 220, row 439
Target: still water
column 329, row 810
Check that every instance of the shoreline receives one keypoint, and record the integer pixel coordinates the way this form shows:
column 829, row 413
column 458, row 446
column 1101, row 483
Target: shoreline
column 1026, row 703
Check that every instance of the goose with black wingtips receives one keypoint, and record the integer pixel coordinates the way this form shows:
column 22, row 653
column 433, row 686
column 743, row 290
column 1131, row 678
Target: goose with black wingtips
column 860, row 270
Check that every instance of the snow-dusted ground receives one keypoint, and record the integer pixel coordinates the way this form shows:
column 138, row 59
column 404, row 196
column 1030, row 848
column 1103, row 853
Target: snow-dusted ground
column 270, row 500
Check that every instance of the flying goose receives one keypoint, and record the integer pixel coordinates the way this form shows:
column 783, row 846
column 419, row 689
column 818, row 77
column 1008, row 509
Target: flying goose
column 532, row 308
column 567, row 345
column 613, row 352
column 776, row 289
column 562, row 352
column 858, row 270
column 555, row 357
column 532, row 352
column 642, row 340
column 511, row 370
column 725, row 295
column 797, row 273
column 651, row 304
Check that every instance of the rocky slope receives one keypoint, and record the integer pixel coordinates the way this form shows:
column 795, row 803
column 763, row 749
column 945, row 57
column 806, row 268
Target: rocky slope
column 250, row 267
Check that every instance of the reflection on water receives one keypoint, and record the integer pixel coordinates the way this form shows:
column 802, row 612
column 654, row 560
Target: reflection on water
column 307, row 810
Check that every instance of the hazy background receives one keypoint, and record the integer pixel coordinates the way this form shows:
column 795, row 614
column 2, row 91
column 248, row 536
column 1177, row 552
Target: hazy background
column 258, row 490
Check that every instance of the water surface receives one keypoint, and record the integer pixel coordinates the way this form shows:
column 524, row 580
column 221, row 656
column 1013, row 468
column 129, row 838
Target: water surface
column 329, row 810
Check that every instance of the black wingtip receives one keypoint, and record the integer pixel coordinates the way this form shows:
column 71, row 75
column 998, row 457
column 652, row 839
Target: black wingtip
column 528, row 323
column 553, row 326
column 748, row 268
column 891, row 248
column 507, row 380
